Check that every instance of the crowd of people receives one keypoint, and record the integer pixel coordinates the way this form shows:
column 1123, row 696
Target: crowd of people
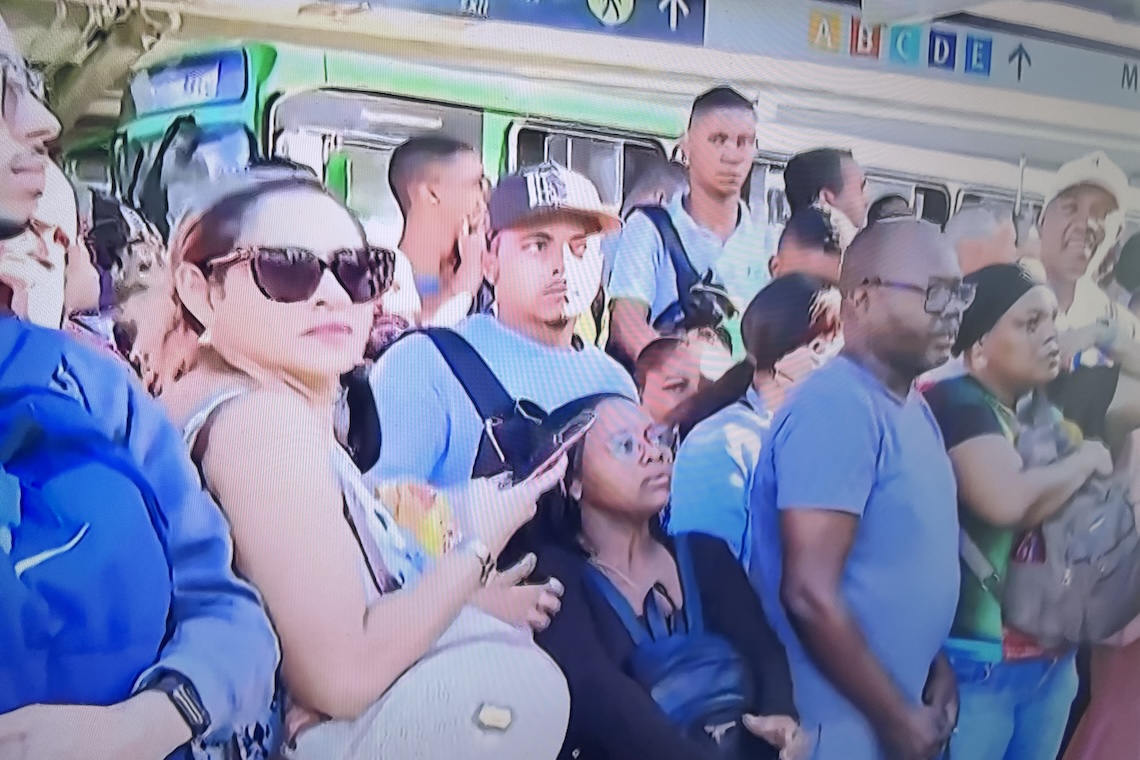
column 551, row 480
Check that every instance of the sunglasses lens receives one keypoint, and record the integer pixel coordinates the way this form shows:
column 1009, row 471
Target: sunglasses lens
column 287, row 275
column 357, row 274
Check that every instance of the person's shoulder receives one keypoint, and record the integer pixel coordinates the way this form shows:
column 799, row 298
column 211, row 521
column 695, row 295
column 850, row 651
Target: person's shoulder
column 610, row 369
column 837, row 382
column 558, row 561
column 723, row 427
column 953, row 393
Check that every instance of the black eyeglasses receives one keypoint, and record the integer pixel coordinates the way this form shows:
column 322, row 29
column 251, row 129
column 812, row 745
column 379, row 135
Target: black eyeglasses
column 17, row 78
column 940, row 294
column 292, row 275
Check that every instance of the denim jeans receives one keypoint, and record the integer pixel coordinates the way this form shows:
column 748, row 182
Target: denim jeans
column 1012, row 710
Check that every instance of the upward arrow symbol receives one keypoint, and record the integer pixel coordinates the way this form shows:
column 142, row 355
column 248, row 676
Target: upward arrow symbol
column 675, row 8
column 1022, row 56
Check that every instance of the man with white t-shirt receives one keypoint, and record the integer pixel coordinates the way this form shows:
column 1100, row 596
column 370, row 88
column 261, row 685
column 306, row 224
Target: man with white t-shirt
column 541, row 219
column 439, row 186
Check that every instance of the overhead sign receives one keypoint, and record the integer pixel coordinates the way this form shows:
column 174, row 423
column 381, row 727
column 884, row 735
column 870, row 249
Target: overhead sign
column 665, row 20
column 831, row 33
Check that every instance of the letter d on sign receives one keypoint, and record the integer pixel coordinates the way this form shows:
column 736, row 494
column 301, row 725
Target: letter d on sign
column 943, row 52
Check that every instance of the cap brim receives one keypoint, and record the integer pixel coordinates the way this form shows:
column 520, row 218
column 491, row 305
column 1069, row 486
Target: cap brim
column 605, row 221
column 1097, row 182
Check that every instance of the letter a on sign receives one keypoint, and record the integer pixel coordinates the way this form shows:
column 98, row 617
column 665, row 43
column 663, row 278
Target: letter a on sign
column 865, row 39
column 824, row 30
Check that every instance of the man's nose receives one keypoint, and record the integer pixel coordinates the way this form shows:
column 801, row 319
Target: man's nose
column 35, row 125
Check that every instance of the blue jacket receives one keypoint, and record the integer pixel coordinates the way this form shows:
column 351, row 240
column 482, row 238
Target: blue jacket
column 219, row 637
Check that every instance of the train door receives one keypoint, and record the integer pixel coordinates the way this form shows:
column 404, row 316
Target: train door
column 348, row 139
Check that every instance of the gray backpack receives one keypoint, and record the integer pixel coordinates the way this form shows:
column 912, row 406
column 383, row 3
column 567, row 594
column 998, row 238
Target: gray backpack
column 1076, row 578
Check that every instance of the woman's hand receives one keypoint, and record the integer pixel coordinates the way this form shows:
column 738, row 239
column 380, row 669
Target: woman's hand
column 495, row 509
column 782, row 732
column 520, row 604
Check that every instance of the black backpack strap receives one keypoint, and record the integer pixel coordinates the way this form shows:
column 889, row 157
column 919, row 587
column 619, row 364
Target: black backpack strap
column 687, row 276
column 694, row 612
column 154, row 201
column 490, row 398
column 363, row 419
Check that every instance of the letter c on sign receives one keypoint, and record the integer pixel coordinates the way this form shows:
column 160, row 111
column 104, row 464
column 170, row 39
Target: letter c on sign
column 902, row 42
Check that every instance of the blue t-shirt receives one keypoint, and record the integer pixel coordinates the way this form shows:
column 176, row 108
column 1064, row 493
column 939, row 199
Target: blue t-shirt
column 643, row 272
column 712, row 477
column 430, row 428
column 845, row 443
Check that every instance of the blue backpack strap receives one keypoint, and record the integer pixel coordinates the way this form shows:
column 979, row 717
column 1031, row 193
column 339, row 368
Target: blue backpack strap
column 687, row 276
column 618, row 603
column 490, row 398
column 694, row 614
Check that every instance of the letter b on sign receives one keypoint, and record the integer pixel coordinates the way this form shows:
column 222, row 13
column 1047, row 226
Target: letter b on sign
column 943, row 50
column 865, row 38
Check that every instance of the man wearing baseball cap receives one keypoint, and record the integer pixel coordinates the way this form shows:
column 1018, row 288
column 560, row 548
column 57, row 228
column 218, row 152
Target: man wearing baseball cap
column 539, row 263
column 1100, row 340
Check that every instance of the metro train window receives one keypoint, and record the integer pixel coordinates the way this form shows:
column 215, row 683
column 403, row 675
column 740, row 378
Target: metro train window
column 610, row 163
column 932, row 203
column 364, row 129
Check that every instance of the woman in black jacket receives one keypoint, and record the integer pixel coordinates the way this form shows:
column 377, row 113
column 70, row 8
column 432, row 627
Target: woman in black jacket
column 663, row 641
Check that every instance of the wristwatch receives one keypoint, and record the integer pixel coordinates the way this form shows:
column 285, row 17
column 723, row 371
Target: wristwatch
column 479, row 550
column 185, row 699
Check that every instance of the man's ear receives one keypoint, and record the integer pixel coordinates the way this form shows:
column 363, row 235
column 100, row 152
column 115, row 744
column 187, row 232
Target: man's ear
column 193, row 291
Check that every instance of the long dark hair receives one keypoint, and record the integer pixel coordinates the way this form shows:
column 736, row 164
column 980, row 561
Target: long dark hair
column 789, row 313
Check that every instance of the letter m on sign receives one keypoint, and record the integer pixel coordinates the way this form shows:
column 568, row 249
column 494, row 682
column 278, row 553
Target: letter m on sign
column 1128, row 78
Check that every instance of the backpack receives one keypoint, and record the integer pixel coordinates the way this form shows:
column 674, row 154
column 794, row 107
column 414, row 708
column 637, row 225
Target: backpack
column 1075, row 579
column 84, row 573
column 697, row 678
column 702, row 302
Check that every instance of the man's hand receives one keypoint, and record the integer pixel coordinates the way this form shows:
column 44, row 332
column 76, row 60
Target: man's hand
column 472, row 247
column 918, row 734
column 1075, row 342
column 782, row 732
column 941, row 692
column 145, row 727
column 522, row 605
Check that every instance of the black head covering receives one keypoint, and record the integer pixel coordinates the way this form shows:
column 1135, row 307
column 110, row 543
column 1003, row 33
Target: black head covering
column 999, row 287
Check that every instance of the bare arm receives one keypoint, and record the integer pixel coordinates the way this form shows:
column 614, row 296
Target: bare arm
column 816, row 545
column 630, row 330
column 995, row 485
column 286, row 510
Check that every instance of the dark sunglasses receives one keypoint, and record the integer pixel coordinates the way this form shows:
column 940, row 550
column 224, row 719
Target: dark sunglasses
column 16, row 74
column 292, row 275
column 940, row 294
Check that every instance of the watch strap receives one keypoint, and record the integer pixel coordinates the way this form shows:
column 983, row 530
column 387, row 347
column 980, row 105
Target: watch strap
column 185, row 699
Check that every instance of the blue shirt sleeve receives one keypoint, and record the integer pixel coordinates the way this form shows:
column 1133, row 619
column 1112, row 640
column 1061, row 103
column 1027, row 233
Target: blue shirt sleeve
column 825, row 448
column 638, row 262
column 414, row 420
column 220, row 638
column 710, row 482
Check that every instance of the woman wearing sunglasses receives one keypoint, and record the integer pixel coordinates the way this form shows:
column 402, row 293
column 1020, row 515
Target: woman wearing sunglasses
column 377, row 659
column 663, row 641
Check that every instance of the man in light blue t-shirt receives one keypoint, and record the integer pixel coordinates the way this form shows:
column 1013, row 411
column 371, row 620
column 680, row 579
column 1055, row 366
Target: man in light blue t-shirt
column 855, row 513
column 540, row 220
column 713, row 224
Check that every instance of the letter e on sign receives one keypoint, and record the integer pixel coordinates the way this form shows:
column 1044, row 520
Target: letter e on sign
column 865, row 39
column 824, row 30
column 979, row 52
column 943, row 52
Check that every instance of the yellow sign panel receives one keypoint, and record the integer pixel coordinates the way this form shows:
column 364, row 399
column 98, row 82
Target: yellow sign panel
column 825, row 31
